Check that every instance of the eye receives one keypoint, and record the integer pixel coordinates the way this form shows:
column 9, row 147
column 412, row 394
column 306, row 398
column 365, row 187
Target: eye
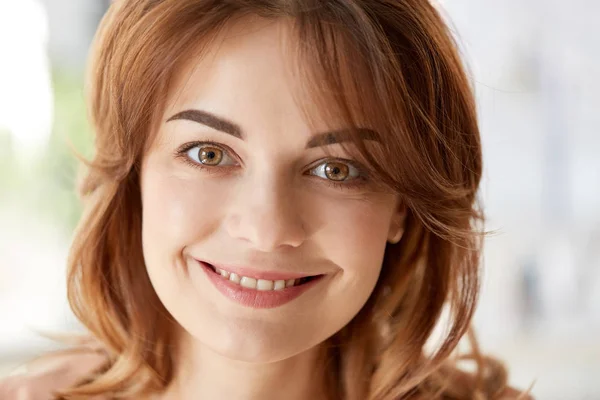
column 215, row 158
column 209, row 155
column 336, row 171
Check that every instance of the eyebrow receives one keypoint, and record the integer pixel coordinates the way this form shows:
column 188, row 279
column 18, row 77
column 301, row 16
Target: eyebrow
column 223, row 125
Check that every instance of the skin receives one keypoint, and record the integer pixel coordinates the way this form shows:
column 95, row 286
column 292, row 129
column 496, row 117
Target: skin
column 265, row 213
column 262, row 208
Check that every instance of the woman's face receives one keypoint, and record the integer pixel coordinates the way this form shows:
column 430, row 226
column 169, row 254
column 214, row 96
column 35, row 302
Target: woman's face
column 255, row 196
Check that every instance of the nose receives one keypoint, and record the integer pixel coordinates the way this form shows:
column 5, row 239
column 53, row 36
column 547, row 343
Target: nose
column 265, row 214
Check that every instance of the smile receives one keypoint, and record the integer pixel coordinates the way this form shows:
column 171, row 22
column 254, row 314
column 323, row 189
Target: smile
column 260, row 284
column 255, row 292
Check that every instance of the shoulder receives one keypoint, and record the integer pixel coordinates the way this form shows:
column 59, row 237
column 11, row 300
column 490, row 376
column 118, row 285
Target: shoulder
column 54, row 371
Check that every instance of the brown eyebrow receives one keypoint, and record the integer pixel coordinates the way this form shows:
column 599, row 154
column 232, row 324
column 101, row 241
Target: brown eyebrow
column 223, row 125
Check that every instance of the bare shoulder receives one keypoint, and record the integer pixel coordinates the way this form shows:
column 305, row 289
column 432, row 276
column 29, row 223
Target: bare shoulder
column 53, row 371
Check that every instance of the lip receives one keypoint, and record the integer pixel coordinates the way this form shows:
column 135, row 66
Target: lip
column 257, row 298
column 253, row 273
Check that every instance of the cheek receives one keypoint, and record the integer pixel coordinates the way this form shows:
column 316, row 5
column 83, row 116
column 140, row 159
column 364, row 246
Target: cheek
column 356, row 234
column 352, row 236
column 178, row 210
column 355, row 240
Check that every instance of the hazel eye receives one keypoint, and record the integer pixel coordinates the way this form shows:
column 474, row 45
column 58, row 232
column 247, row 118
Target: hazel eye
column 336, row 171
column 208, row 155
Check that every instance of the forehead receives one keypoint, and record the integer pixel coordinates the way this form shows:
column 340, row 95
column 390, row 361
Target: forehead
column 247, row 71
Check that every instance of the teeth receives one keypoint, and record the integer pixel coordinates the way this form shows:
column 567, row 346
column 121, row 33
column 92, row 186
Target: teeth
column 279, row 285
column 257, row 284
column 234, row 277
column 249, row 283
column 263, row 284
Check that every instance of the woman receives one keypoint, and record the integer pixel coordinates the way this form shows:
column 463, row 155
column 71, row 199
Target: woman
column 282, row 203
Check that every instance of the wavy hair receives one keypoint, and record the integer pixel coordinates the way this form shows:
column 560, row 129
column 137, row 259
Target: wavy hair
column 390, row 64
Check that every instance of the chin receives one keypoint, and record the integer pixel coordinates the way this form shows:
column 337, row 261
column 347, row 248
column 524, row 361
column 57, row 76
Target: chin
column 255, row 347
column 257, row 354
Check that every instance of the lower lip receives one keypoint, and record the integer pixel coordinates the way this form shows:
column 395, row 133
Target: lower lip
column 257, row 298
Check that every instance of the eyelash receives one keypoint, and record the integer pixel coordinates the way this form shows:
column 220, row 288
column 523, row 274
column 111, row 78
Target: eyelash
column 360, row 180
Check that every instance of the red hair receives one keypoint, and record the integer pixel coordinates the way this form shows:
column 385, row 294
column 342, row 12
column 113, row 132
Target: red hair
column 392, row 65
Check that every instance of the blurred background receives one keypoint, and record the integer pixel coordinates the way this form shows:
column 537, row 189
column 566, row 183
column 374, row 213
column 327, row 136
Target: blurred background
column 536, row 69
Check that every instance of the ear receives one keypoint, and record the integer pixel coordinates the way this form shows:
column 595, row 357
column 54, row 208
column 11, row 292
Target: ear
column 397, row 223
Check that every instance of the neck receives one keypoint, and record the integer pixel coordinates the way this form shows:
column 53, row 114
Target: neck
column 201, row 373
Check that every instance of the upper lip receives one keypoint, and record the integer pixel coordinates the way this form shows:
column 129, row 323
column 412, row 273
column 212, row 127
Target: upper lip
column 256, row 273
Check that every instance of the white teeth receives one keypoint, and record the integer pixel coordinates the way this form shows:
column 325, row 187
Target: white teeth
column 233, row 277
column 257, row 284
column 249, row 283
column 263, row 284
column 279, row 285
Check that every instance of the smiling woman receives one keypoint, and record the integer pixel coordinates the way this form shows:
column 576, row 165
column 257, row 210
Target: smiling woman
column 283, row 196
